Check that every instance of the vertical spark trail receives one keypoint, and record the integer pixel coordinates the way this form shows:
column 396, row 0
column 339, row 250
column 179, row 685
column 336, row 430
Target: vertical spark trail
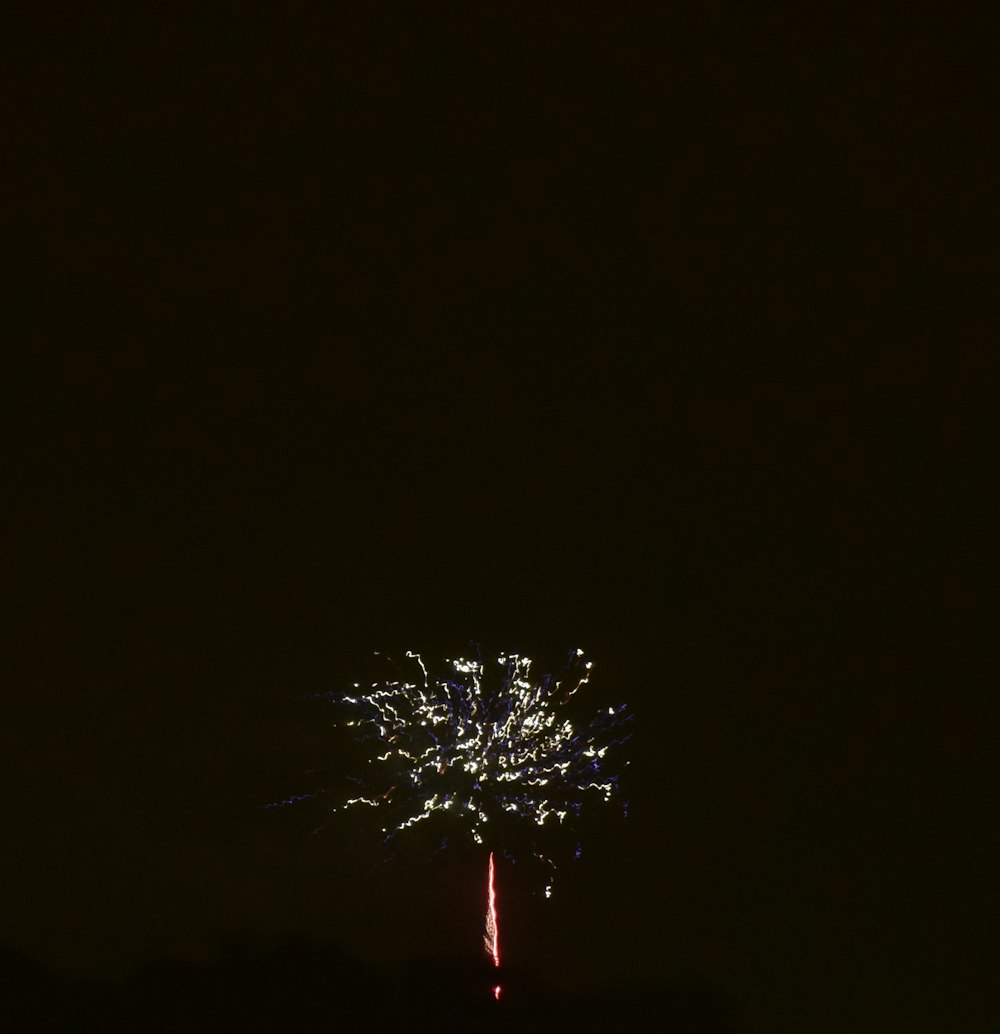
column 492, row 938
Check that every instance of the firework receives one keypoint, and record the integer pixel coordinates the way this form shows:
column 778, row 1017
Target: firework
column 483, row 748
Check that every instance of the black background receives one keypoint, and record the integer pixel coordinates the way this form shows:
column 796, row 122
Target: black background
column 341, row 328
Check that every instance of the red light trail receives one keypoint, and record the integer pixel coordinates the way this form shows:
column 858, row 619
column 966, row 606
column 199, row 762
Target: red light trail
column 492, row 927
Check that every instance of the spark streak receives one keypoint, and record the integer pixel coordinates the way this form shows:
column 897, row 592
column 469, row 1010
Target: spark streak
column 492, row 938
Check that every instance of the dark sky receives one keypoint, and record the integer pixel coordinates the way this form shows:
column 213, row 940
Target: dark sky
column 350, row 330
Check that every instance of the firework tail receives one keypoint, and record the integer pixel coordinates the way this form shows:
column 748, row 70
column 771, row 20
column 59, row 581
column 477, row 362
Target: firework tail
column 492, row 937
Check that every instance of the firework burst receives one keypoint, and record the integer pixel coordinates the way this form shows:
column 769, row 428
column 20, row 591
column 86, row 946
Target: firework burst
column 483, row 747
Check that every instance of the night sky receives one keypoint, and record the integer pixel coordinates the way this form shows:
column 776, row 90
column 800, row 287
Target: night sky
column 345, row 328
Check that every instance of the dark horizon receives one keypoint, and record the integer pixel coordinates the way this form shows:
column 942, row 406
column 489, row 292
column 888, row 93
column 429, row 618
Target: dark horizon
column 300, row 984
